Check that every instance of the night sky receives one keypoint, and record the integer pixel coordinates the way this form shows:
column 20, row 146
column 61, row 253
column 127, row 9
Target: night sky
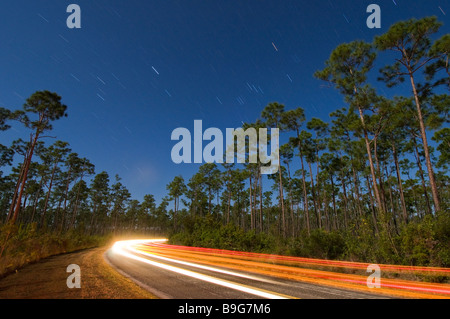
column 136, row 70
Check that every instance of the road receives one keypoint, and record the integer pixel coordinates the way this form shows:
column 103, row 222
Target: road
column 177, row 272
column 47, row 279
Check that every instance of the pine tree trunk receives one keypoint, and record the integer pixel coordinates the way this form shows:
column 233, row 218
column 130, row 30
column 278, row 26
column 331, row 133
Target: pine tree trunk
column 400, row 185
column 291, row 203
column 334, row 203
column 374, row 217
column 391, row 197
column 380, row 175
column 423, row 134
column 305, row 194
column 75, row 208
column 422, row 178
column 255, row 197
column 48, row 194
column 24, row 178
column 313, row 190
column 345, row 202
column 16, row 191
column 251, row 202
column 357, row 192
column 327, row 215
column 369, row 155
column 36, row 200
column 260, row 203
column 283, row 220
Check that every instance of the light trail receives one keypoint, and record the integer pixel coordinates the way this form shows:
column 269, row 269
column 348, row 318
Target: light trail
column 121, row 248
column 392, row 287
column 275, row 47
column 189, row 264
column 302, row 260
column 255, row 266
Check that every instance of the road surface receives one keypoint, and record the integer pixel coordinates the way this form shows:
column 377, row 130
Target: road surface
column 176, row 272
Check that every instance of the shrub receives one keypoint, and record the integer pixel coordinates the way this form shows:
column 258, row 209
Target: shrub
column 21, row 245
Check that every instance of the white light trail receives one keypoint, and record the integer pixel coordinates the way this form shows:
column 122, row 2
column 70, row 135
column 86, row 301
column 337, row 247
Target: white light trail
column 121, row 247
column 275, row 47
column 155, row 70
column 226, row 272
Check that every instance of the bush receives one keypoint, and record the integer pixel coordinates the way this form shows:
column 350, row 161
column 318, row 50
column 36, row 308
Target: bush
column 21, row 245
column 419, row 243
column 319, row 244
column 207, row 232
column 427, row 243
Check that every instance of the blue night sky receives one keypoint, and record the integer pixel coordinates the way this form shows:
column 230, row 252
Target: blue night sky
column 137, row 70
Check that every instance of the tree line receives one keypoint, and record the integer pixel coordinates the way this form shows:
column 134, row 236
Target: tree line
column 55, row 189
column 365, row 184
column 368, row 183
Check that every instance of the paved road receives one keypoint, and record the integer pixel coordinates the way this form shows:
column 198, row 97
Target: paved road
column 176, row 278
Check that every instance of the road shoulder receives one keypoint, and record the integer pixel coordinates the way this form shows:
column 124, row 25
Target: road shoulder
column 47, row 279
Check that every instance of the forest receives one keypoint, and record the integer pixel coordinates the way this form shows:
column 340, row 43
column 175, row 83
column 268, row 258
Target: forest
column 368, row 183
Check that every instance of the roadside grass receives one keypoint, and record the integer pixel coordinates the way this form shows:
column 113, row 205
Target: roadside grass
column 423, row 243
column 24, row 244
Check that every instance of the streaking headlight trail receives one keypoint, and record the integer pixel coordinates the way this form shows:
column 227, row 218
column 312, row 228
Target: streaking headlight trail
column 278, row 270
column 126, row 249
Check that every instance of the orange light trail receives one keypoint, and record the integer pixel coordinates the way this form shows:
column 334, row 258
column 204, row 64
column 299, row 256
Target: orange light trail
column 286, row 267
column 302, row 260
column 126, row 249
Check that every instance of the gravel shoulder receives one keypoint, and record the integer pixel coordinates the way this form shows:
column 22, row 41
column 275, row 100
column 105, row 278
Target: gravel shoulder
column 47, row 279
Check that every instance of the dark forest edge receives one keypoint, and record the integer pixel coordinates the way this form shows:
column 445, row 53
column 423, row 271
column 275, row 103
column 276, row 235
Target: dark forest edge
column 368, row 186
column 423, row 243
